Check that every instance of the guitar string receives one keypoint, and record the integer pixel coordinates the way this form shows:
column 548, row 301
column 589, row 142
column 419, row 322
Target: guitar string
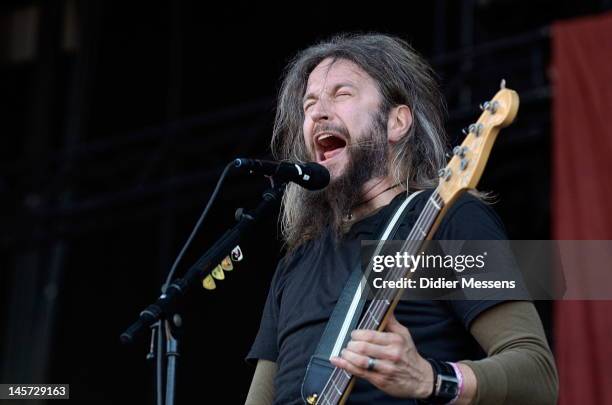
column 380, row 305
column 377, row 305
column 334, row 378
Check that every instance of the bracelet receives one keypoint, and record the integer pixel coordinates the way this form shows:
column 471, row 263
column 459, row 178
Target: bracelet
column 446, row 384
column 459, row 375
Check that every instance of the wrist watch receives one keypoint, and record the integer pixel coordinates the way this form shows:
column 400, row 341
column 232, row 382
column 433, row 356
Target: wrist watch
column 446, row 383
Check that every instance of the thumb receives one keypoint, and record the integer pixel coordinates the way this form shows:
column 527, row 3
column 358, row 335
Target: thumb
column 394, row 326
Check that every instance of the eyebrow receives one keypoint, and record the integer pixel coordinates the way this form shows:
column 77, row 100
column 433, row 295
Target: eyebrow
column 312, row 95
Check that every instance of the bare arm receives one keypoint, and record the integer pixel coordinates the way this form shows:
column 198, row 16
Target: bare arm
column 261, row 391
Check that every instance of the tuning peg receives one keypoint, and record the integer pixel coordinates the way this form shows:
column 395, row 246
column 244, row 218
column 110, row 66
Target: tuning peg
column 445, row 173
column 459, row 151
column 475, row 128
column 502, row 85
column 464, row 163
column 489, row 106
column 486, row 106
column 493, row 107
column 472, row 128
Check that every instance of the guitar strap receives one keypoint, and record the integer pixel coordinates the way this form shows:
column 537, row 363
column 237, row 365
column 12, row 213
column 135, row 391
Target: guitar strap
column 346, row 313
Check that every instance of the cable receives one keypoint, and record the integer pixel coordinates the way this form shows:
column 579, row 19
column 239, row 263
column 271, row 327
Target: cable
column 197, row 225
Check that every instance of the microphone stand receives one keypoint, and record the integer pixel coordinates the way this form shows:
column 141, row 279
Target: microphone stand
column 161, row 316
column 171, row 354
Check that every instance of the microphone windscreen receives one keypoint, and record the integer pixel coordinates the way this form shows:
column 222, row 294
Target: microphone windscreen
column 319, row 176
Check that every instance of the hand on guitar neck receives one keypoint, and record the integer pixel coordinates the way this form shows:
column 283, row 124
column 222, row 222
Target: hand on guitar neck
column 398, row 369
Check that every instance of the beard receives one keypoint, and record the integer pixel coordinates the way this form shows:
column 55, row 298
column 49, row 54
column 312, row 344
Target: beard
column 328, row 208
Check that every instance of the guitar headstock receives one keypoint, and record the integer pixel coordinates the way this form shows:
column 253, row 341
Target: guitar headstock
column 466, row 166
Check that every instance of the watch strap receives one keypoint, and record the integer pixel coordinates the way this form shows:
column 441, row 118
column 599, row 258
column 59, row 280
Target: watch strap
column 446, row 383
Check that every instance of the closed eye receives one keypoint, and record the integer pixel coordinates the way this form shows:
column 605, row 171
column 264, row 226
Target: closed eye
column 308, row 105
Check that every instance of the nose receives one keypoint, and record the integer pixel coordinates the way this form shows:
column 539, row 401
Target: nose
column 320, row 111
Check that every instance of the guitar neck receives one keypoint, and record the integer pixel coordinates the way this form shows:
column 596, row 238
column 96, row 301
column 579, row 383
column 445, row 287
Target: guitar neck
column 384, row 301
column 461, row 173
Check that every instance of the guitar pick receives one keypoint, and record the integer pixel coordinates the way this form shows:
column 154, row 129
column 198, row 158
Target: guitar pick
column 217, row 273
column 226, row 264
column 236, row 254
column 209, row 283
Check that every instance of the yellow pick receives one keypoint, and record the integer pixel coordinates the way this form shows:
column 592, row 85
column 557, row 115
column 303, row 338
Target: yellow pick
column 209, row 283
column 217, row 273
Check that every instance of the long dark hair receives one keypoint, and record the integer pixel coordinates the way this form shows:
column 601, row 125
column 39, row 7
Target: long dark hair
column 402, row 77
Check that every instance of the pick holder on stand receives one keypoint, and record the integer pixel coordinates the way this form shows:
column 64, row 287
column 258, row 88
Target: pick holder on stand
column 218, row 272
column 162, row 317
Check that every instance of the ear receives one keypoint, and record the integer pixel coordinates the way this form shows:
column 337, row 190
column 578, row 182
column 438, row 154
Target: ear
column 400, row 121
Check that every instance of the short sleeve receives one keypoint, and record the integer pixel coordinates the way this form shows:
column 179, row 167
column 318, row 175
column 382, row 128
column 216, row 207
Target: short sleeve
column 471, row 219
column 265, row 345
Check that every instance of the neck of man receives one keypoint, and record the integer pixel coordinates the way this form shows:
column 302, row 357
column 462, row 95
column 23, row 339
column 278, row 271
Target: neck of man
column 375, row 194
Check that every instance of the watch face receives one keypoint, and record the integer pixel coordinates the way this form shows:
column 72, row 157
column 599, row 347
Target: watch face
column 449, row 387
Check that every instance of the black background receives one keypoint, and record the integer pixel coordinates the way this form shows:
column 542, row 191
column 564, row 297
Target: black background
column 158, row 97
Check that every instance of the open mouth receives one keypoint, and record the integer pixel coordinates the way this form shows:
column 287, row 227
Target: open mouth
column 329, row 145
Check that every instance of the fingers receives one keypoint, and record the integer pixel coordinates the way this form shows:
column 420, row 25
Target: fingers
column 379, row 377
column 379, row 338
column 360, row 361
column 395, row 333
column 351, row 368
column 392, row 353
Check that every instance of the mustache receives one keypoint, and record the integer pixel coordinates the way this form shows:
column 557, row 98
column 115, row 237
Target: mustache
column 363, row 144
column 329, row 127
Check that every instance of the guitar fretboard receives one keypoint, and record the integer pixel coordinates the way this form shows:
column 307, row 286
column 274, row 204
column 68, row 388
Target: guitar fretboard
column 383, row 298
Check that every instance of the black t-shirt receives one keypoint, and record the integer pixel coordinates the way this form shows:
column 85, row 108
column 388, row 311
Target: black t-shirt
column 308, row 282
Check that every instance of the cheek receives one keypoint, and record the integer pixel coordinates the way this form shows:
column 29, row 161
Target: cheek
column 363, row 124
column 353, row 119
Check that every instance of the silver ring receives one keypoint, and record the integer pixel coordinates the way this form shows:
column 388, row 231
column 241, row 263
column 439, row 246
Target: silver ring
column 371, row 364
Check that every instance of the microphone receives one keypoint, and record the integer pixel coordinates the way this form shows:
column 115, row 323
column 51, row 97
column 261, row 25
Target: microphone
column 311, row 176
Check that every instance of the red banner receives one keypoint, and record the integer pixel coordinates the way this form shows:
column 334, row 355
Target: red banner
column 582, row 196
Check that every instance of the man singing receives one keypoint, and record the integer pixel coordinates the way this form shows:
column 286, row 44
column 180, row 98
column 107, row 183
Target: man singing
column 368, row 109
